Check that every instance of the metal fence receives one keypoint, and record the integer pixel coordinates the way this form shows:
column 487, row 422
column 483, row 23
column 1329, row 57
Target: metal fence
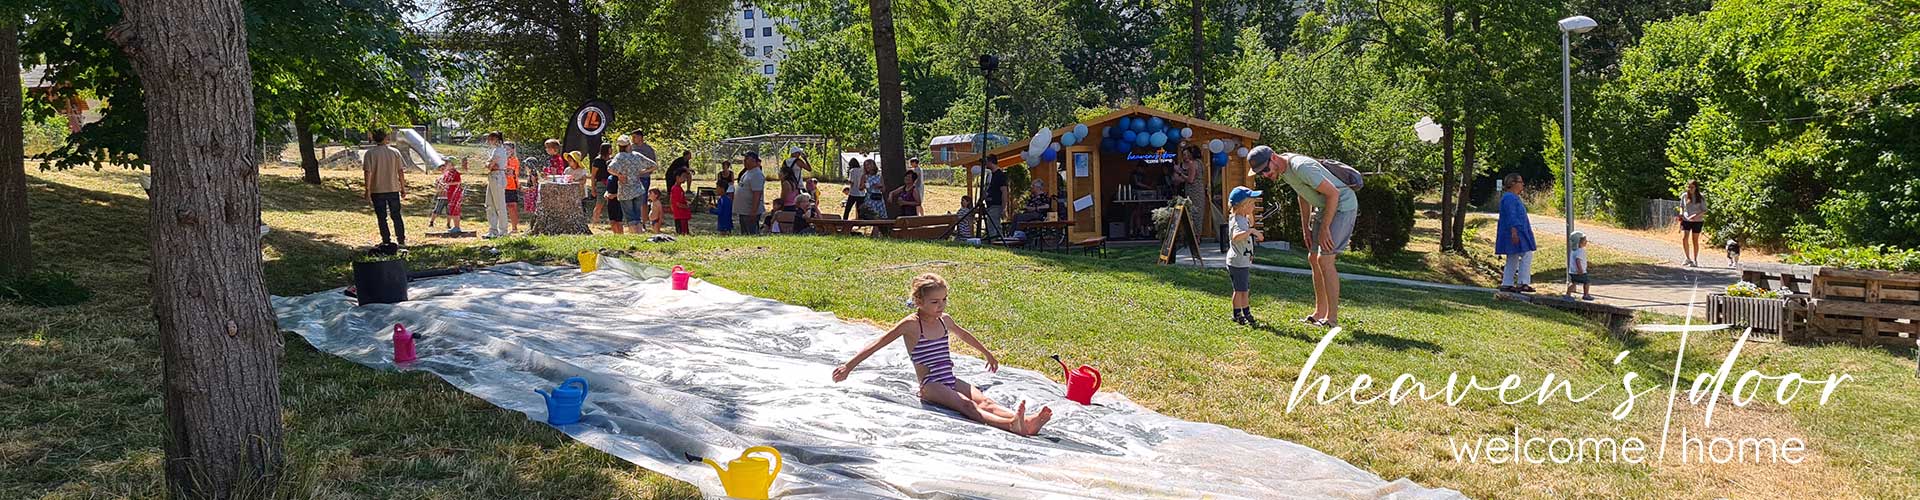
column 1660, row 213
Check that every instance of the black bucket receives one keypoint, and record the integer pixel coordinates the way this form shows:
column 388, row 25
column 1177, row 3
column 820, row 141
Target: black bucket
column 383, row 282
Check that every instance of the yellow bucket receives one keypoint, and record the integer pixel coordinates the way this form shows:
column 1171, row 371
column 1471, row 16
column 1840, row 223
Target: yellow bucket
column 589, row 261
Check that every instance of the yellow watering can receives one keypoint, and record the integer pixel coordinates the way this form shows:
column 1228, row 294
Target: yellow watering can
column 589, row 261
column 748, row 476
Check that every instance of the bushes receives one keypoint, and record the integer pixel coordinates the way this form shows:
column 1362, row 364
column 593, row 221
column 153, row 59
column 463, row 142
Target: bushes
column 1385, row 221
column 1867, row 257
column 44, row 289
column 1382, row 228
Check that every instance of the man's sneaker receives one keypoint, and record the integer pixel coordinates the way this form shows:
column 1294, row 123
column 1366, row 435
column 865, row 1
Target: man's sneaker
column 1525, row 288
column 1588, row 297
column 1507, row 289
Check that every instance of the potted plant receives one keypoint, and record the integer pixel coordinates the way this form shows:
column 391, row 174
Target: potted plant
column 1746, row 304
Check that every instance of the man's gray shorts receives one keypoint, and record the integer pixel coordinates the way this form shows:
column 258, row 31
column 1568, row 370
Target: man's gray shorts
column 1241, row 276
column 1342, row 231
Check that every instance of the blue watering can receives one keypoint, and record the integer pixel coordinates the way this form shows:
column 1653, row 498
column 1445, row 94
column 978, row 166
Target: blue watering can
column 563, row 404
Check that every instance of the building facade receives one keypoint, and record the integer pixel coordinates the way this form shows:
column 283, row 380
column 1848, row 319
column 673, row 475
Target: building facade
column 761, row 40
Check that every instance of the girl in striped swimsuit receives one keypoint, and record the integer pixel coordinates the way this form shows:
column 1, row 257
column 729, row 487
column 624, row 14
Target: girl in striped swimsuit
column 925, row 334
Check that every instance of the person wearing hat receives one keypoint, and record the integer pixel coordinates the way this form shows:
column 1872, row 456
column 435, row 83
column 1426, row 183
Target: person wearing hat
column 1240, row 251
column 652, row 163
column 630, row 169
column 749, row 195
column 790, row 176
column 1327, row 210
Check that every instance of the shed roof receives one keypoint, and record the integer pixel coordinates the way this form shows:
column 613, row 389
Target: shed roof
column 1013, row 148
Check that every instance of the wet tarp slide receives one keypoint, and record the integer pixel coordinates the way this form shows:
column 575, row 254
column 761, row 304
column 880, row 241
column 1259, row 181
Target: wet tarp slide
column 711, row 372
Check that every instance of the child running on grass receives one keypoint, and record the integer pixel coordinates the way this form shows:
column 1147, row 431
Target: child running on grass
column 925, row 334
column 1240, row 252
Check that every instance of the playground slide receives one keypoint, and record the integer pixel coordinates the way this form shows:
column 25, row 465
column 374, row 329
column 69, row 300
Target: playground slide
column 711, row 372
column 430, row 158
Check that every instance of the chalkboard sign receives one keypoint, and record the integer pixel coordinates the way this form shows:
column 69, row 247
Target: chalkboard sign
column 1181, row 229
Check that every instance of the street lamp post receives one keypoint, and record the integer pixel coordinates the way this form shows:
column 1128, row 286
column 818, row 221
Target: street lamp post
column 1568, row 27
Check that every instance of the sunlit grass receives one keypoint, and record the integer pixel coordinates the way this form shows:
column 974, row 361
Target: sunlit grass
column 80, row 407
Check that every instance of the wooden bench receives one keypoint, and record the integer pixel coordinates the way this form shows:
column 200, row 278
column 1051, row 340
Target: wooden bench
column 924, row 227
column 1096, row 244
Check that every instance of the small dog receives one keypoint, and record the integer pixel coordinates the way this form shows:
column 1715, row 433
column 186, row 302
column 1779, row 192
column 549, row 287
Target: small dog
column 1733, row 252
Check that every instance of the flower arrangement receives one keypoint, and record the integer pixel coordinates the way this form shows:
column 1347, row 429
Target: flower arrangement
column 1748, row 289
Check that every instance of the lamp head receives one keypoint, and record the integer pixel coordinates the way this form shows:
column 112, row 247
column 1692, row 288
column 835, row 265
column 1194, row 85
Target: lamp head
column 1577, row 24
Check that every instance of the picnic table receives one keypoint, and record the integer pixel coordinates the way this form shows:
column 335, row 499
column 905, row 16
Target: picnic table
column 848, row 226
column 1045, row 235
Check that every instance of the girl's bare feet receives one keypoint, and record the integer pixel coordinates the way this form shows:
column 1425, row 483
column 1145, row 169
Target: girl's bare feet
column 1028, row 426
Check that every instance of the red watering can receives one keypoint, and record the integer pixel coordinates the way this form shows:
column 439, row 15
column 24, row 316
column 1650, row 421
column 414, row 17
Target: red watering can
column 402, row 344
column 1081, row 382
column 680, row 277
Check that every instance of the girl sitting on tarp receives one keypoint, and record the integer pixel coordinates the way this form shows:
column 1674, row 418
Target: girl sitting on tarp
column 925, row 334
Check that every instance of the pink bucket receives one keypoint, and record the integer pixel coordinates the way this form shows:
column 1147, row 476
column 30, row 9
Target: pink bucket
column 680, row 278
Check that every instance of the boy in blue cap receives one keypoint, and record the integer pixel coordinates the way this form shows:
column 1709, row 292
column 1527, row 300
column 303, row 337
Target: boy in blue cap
column 1240, row 252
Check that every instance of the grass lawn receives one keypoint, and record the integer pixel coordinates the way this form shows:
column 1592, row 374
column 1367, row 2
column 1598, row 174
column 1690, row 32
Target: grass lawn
column 80, row 408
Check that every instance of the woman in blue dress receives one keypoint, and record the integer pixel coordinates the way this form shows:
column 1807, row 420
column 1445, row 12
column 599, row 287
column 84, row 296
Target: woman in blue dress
column 1514, row 238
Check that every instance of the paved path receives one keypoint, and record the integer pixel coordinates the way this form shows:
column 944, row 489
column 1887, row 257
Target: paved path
column 1663, row 287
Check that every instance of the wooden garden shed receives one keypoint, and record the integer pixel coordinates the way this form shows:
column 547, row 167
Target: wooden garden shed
column 1095, row 198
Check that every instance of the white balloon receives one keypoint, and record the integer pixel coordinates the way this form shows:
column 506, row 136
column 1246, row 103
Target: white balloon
column 1040, row 141
column 1242, row 152
column 1186, row 133
column 1055, row 147
column 1217, row 145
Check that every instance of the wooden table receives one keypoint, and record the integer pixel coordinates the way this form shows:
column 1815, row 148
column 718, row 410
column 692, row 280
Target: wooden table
column 847, row 227
column 1054, row 233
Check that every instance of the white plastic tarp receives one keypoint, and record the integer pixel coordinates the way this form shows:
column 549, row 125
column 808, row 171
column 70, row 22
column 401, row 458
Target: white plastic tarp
column 711, row 372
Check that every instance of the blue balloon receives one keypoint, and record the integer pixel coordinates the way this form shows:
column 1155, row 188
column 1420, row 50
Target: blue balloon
column 1219, row 159
column 1139, row 125
column 1080, row 130
column 1158, row 139
column 1128, row 136
column 1156, row 123
column 1106, row 132
column 1048, row 156
column 1125, row 124
column 1142, row 140
column 1068, row 140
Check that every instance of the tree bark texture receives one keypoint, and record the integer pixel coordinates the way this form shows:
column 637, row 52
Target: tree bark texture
column 309, row 162
column 1467, row 154
column 219, row 346
column 1446, row 186
column 886, row 55
column 16, row 242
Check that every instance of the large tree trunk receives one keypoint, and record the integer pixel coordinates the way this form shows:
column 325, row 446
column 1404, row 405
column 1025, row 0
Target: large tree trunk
column 1446, row 186
column 220, row 350
column 1198, row 26
column 309, row 162
column 16, row 243
column 886, row 56
column 1467, row 154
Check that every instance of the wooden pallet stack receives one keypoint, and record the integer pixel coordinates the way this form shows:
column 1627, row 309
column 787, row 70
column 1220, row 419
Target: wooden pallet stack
column 1866, row 307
